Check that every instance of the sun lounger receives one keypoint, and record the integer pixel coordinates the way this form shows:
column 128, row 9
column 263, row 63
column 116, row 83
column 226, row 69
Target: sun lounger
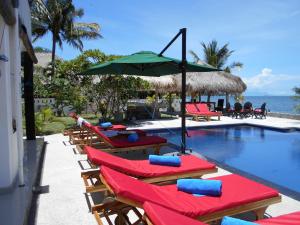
column 158, row 215
column 200, row 110
column 191, row 166
column 260, row 112
column 77, row 133
column 120, row 143
column 205, row 112
column 239, row 195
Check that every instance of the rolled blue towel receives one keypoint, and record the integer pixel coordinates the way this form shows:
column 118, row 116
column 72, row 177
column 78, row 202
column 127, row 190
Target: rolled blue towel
column 105, row 125
column 199, row 186
column 233, row 221
column 164, row 160
column 133, row 137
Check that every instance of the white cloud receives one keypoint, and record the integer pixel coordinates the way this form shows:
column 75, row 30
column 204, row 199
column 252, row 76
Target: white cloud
column 273, row 84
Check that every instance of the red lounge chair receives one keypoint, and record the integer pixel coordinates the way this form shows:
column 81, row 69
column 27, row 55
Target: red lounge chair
column 192, row 109
column 238, row 195
column 80, row 133
column 191, row 166
column 204, row 111
column 158, row 215
column 120, row 143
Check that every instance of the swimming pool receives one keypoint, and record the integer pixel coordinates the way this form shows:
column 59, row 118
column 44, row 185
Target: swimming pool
column 270, row 156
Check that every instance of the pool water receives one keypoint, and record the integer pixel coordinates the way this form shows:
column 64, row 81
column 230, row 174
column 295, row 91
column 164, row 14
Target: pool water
column 269, row 155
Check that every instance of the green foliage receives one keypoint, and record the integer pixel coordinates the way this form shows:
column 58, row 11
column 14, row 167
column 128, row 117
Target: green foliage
column 39, row 49
column 239, row 98
column 216, row 56
column 47, row 114
column 296, row 97
column 38, row 117
column 52, row 128
column 58, row 17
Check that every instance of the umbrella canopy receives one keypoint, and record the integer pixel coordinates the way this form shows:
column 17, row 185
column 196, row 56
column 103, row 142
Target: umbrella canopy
column 216, row 82
column 145, row 63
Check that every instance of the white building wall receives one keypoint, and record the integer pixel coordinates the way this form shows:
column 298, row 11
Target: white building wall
column 7, row 168
column 11, row 147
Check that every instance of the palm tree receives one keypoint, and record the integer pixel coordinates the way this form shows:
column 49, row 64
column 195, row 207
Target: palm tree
column 217, row 57
column 58, row 17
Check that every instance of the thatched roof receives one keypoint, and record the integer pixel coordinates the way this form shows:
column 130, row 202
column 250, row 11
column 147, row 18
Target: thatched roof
column 218, row 82
column 161, row 84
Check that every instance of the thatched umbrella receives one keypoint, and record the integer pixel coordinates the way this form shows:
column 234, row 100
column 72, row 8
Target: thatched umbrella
column 212, row 83
column 162, row 84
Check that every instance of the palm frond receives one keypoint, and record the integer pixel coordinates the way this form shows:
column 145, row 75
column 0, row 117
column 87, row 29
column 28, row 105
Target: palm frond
column 195, row 56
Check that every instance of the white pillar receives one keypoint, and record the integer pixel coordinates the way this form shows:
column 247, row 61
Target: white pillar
column 8, row 169
column 15, row 48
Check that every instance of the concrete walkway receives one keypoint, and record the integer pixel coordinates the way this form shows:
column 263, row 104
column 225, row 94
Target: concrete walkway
column 66, row 203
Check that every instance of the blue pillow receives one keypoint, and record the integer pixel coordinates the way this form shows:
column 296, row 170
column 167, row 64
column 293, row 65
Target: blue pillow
column 233, row 221
column 106, row 125
column 133, row 137
column 199, row 186
column 164, row 160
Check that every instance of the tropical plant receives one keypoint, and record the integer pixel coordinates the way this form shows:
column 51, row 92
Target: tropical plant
column 217, row 57
column 296, row 97
column 58, row 17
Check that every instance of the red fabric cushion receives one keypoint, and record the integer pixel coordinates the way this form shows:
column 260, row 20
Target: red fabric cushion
column 202, row 107
column 288, row 219
column 159, row 215
column 191, row 108
column 142, row 168
column 236, row 190
column 143, row 140
column 123, row 142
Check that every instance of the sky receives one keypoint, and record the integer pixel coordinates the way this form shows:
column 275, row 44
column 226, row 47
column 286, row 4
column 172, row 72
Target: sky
column 263, row 34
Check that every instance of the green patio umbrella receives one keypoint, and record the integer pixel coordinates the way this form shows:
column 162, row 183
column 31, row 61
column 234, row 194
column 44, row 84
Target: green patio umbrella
column 147, row 63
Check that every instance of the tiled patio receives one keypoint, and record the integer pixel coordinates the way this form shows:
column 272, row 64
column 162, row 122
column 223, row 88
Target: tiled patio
column 67, row 203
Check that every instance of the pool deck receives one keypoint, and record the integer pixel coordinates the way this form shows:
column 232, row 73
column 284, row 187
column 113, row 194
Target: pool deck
column 66, row 201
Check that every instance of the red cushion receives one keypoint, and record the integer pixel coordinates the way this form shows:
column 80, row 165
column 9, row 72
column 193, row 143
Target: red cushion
column 202, row 107
column 287, row 219
column 159, row 215
column 123, row 142
column 191, row 108
column 143, row 140
column 142, row 168
column 236, row 191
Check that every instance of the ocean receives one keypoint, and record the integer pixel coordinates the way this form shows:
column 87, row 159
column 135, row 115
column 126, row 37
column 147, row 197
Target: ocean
column 282, row 104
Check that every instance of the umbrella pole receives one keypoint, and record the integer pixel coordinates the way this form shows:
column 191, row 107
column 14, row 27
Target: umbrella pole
column 183, row 91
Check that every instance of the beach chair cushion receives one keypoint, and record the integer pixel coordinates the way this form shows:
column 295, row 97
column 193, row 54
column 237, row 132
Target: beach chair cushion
column 203, row 109
column 236, row 190
column 122, row 142
column 142, row 168
column 287, row 219
column 159, row 215
column 191, row 108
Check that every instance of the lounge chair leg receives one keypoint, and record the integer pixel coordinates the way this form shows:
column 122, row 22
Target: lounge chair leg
column 260, row 213
column 157, row 150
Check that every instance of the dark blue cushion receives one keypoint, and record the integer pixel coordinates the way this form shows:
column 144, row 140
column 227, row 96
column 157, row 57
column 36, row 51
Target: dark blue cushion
column 199, row 186
column 164, row 160
column 133, row 137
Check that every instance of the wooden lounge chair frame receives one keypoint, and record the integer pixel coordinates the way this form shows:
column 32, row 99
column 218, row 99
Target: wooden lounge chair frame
column 207, row 117
column 93, row 183
column 258, row 207
column 96, row 141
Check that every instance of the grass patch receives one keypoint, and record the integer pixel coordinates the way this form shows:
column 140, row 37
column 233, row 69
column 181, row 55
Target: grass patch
column 52, row 128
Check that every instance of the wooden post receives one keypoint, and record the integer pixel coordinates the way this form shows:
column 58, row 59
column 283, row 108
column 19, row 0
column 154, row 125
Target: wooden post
column 28, row 96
